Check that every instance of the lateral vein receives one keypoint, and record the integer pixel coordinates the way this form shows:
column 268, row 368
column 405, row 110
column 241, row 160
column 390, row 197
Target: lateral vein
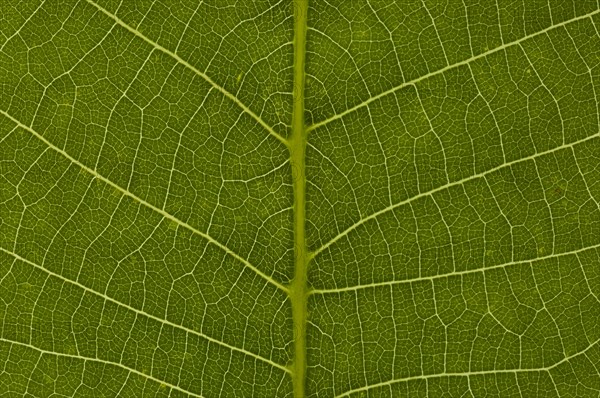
column 203, row 75
column 446, row 68
column 131, row 370
column 450, row 274
column 466, row 374
column 149, row 205
column 143, row 313
column 443, row 187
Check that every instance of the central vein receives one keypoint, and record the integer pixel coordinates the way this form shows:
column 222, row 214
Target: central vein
column 297, row 145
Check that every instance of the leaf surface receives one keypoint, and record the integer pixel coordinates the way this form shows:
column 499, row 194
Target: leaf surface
column 280, row 198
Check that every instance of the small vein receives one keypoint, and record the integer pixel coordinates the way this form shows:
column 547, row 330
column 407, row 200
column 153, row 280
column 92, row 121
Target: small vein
column 131, row 370
column 446, row 186
column 143, row 313
column 18, row 31
column 450, row 274
column 466, row 374
column 149, row 205
column 445, row 69
column 226, row 93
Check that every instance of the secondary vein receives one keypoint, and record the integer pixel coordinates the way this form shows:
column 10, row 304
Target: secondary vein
column 446, row 68
column 144, row 313
column 462, row 181
column 203, row 75
column 466, row 374
column 102, row 361
column 149, row 205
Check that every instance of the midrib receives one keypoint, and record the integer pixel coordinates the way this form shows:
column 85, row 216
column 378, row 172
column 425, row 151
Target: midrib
column 297, row 145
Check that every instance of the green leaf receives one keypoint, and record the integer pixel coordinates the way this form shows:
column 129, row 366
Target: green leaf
column 277, row 198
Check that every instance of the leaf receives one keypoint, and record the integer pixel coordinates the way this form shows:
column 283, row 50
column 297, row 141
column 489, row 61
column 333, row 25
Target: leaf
column 280, row 198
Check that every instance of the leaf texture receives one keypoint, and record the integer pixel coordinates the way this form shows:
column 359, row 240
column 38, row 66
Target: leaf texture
column 289, row 198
